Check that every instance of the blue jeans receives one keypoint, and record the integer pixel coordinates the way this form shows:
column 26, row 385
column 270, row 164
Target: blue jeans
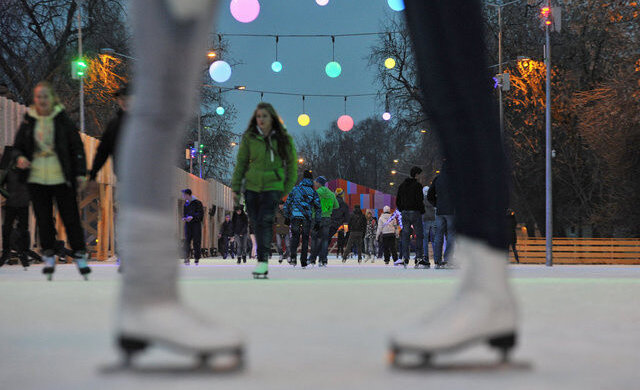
column 444, row 226
column 429, row 231
column 261, row 207
column 320, row 244
column 412, row 218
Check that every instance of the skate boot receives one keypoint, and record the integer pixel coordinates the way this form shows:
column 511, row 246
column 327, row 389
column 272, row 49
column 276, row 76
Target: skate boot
column 281, row 259
column 422, row 263
column 261, row 271
column 49, row 265
column 482, row 311
column 4, row 258
column 399, row 262
column 244, row 259
column 80, row 259
column 239, row 261
column 24, row 260
column 171, row 325
column 197, row 262
column 187, row 262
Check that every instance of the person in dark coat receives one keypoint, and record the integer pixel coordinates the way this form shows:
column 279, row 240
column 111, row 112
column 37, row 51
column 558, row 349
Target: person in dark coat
column 226, row 232
column 109, row 143
column 16, row 208
column 192, row 215
column 357, row 227
column 511, row 234
column 410, row 202
column 341, row 241
column 340, row 216
column 439, row 196
column 51, row 149
column 240, row 227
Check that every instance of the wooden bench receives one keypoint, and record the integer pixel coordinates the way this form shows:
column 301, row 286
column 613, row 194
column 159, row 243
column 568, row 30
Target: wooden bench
column 621, row 251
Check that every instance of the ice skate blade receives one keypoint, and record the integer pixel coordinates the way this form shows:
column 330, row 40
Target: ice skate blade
column 218, row 361
column 420, row 358
column 260, row 276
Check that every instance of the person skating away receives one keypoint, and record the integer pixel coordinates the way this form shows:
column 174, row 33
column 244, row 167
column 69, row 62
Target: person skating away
column 410, row 202
column 50, row 146
column 267, row 161
column 439, row 196
column 240, row 226
column 192, row 214
column 302, row 208
column 281, row 232
column 340, row 216
column 328, row 203
column 370, row 238
column 225, row 235
column 387, row 226
column 447, row 35
column 341, row 241
column 357, row 227
column 15, row 208
column 512, row 236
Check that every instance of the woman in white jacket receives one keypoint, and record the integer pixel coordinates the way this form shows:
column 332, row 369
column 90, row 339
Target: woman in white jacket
column 387, row 226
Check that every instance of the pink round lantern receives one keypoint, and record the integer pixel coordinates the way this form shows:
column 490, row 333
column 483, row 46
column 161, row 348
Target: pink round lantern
column 345, row 123
column 245, row 11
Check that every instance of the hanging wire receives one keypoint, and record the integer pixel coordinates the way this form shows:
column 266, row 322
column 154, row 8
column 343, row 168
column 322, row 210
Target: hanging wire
column 261, row 95
column 345, row 105
column 333, row 48
column 303, row 111
column 277, row 38
column 293, row 93
column 310, row 35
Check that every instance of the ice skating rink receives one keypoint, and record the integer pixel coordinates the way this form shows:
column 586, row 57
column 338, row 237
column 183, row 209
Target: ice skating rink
column 324, row 329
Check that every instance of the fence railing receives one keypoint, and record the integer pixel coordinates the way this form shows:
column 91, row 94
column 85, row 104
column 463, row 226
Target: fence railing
column 622, row 251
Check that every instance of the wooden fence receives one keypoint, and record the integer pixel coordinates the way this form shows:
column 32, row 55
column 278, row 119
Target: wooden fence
column 620, row 251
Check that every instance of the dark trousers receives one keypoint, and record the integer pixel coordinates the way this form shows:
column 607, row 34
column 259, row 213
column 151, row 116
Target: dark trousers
column 389, row 243
column 262, row 209
column 412, row 218
column 225, row 247
column 355, row 238
column 42, row 197
column 320, row 245
column 11, row 214
column 512, row 245
column 192, row 232
column 447, row 36
column 300, row 228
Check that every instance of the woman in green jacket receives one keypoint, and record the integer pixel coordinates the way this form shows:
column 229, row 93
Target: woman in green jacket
column 267, row 165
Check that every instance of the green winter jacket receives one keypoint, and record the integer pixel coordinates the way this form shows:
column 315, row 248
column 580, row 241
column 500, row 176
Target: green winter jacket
column 260, row 164
column 328, row 201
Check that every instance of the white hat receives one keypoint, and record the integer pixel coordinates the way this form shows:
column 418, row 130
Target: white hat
column 386, row 209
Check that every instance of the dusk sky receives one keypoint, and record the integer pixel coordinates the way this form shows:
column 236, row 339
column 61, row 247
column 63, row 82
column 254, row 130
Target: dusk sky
column 304, row 59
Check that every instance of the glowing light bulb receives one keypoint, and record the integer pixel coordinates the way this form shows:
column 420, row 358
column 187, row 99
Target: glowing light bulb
column 390, row 63
column 245, row 11
column 396, row 5
column 303, row 120
column 386, row 116
column 333, row 69
column 345, row 123
column 276, row 66
column 220, row 71
column 220, row 110
column 322, row 3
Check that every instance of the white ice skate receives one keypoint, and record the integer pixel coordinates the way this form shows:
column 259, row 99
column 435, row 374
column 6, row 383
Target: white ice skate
column 482, row 311
column 178, row 328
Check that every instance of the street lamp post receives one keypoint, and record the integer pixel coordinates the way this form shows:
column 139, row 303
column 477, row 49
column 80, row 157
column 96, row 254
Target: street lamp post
column 548, row 151
column 79, row 2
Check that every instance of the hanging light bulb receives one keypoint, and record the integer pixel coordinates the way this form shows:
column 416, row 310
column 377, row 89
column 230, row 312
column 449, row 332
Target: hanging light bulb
column 396, row 5
column 322, row 3
column 276, row 65
column 390, row 63
column 303, row 119
column 220, row 71
column 333, row 68
column 386, row 116
column 245, row 11
column 345, row 122
column 220, row 110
